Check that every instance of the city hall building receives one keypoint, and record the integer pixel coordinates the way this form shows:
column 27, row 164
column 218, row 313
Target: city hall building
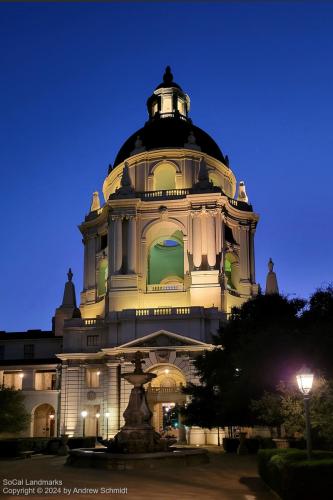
column 167, row 254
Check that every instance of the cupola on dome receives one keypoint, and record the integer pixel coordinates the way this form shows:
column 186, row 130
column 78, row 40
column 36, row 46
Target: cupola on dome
column 168, row 125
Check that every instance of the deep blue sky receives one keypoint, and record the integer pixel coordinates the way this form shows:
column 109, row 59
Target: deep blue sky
column 74, row 79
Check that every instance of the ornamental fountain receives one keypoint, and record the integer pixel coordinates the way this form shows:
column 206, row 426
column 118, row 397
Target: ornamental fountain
column 137, row 435
column 137, row 444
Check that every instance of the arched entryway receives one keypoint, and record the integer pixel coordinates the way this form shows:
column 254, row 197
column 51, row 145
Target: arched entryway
column 44, row 421
column 165, row 397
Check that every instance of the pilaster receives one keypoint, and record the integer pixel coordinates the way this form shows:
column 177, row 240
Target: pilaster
column 211, row 241
column 196, row 240
column 244, row 254
column 113, row 398
column 131, row 239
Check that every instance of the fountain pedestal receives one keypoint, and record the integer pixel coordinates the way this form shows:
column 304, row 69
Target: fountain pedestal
column 137, row 435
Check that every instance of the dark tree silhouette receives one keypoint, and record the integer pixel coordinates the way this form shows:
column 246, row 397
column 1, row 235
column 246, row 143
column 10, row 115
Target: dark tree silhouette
column 13, row 415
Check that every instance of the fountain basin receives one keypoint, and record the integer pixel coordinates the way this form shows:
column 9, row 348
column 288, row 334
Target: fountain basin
column 138, row 379
column 97, row 458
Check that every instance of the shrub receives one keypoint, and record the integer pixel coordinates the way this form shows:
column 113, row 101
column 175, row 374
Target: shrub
column 293, row 477
column 14, row 446
column 299, row 444
column 53, row 446
column 10, row 447
column 230, row 445
column 252, row 445
column 266, row 443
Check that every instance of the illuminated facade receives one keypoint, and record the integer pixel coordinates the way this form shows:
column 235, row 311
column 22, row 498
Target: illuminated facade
column 166, row 257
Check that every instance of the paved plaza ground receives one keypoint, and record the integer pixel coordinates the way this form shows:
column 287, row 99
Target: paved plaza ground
column 226, row 477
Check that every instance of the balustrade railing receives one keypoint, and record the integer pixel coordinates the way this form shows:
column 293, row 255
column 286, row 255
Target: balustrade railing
column 177, row 287
column 79, row 322
column 163, row 193
column 163, row 311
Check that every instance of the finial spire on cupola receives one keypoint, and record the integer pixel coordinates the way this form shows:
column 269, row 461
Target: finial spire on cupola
column 168, row 99
column 271, row 280
column 168, row 76
column 95, row 204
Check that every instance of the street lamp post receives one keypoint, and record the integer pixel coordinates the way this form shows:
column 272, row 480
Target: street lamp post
column 216, row 390
column 305, row 380
column 107, row 414
column 97, row 420
column 51, row 424
column 84, row 413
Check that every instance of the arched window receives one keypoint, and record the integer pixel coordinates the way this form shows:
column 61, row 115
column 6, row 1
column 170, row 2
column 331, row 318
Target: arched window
column 164, row 177
column 214, row 178
column 166, row 260
column 102, row 277
column 230, row 262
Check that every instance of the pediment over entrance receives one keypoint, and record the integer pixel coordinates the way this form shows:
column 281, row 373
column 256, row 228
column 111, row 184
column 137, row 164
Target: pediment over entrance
column 162, row 339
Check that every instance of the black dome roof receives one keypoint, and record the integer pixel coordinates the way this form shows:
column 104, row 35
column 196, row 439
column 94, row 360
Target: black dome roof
column 170, row 132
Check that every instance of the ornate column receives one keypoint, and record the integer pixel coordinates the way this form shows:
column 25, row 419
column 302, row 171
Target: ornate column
column 203, row 220
column 222, row 218
column 111, row 245
column 218, row 231
column 144, row 262
column 150, row 182
column 85, row 264
column 131, row 244
column 196, row 240
column 179, row 180
column 244, row 253
column 186, row 266
column 90, row 262
column 211, row 247
column 113, row 398
column 252, row 259
column 118, row 242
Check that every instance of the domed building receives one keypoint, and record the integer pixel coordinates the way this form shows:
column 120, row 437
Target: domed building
column 167, row 254
column 166, row 257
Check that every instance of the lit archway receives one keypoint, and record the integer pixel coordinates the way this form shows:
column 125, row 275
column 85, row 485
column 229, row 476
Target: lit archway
column 165, row 397
column 166, row 260
column 44, row 421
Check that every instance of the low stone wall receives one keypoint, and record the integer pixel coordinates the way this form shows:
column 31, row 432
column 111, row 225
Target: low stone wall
column 199, row 436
